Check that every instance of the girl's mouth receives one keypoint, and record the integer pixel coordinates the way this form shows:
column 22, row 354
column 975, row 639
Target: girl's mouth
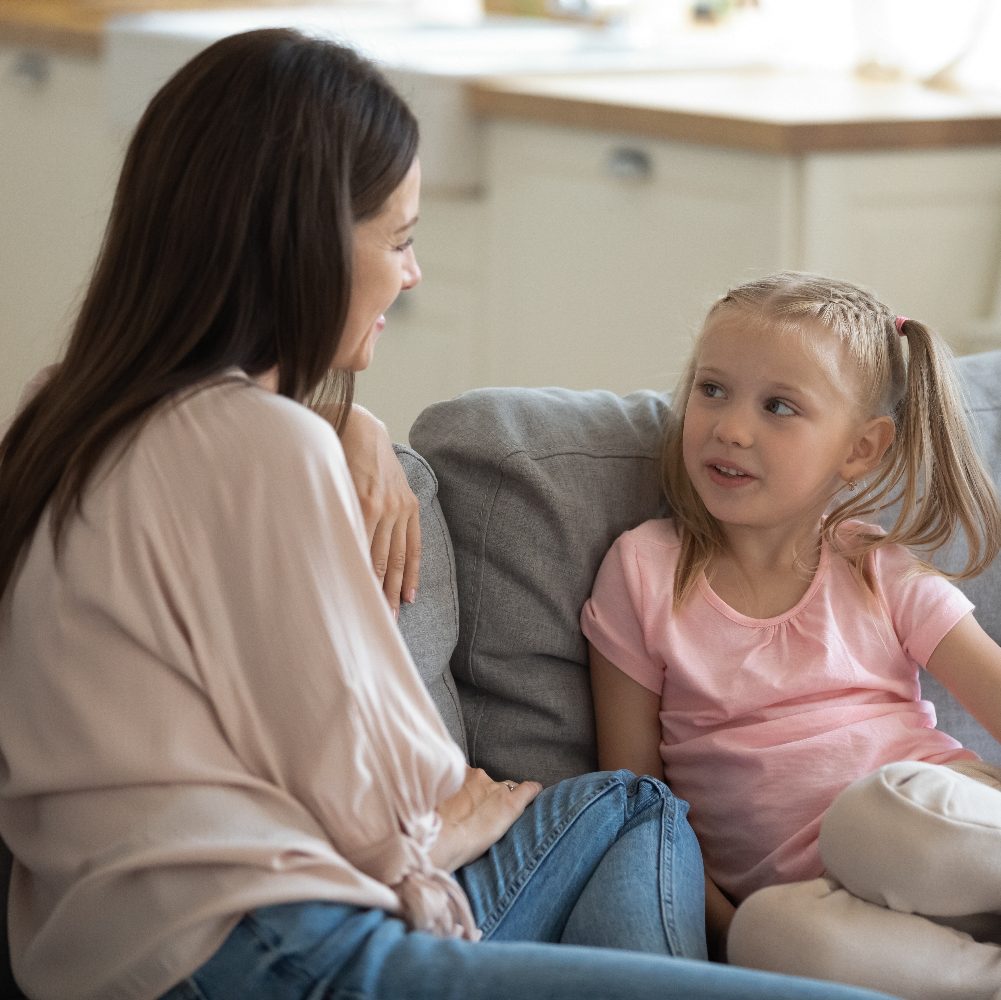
column 727, row 476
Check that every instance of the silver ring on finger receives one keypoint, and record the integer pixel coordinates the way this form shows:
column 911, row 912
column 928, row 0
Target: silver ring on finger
column 511, row 785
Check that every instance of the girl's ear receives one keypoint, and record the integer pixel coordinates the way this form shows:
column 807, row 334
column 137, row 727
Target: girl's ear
column 870, row 447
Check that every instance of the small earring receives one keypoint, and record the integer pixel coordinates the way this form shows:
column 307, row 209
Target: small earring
column 852, row 484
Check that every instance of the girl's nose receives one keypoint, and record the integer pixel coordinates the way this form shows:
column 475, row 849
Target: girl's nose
column 734, row 428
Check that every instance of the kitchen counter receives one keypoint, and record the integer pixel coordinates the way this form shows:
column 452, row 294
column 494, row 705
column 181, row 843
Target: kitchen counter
column 762, row 111
column 77, row 26
column 574, row 225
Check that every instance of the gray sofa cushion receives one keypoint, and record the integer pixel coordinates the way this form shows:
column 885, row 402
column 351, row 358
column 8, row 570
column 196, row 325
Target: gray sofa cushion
column 430, row 626
column 535, row 485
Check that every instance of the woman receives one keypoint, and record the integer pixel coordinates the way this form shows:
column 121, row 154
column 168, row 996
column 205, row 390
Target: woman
column 223, row 777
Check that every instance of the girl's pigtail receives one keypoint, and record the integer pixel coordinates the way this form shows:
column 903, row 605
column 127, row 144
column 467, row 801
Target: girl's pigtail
column 943, row 480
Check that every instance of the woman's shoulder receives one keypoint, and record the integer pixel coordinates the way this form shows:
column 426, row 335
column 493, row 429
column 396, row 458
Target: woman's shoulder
column 232, row 417
column 231, row 443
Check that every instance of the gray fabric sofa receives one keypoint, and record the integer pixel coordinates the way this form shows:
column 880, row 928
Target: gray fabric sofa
column 534, row 485
column 522, row 491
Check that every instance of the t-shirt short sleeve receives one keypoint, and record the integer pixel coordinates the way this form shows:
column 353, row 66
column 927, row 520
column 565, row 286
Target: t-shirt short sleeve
column 923, row 605
column 613, row 618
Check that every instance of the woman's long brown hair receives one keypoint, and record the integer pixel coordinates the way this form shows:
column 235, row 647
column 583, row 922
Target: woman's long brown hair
column 229, row 244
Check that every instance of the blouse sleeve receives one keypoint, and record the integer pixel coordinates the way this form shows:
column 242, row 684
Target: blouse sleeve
column 613, row 616
column 263, row 564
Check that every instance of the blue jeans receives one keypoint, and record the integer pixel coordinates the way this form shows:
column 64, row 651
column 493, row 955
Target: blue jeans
column 606, row 861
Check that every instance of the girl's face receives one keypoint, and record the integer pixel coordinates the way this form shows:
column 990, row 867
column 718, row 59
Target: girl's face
column 383, row 265
column 770, row 426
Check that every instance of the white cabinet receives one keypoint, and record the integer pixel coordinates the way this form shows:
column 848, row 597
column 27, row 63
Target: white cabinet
column 59, row 163
column 599, row 280
column 596, row 279
column 921, row 228
column 587, row 259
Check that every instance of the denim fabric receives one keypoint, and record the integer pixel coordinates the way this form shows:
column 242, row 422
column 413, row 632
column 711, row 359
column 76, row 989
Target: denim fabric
column 606, row 859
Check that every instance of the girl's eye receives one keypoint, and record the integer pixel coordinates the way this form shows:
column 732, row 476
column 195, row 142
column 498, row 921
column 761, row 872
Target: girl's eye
column 711, row 390
column 409, row 243
column 779, row 408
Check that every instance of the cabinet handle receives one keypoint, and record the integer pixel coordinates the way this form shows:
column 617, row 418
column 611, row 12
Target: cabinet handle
column 629, row 164
column 31, row 68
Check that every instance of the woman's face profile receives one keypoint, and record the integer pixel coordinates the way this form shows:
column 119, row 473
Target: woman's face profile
column 383, row 265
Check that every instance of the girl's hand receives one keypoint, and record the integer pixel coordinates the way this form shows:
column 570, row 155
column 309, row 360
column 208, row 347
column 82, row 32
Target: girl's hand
column 477, row 816
column 390, row 509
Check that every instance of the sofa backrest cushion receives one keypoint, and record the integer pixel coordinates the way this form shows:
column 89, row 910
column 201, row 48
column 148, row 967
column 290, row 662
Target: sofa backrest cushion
column 535, row 485
column 430, row 626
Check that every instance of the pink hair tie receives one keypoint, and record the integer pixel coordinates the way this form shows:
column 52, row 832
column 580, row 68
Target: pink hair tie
column 901, row 320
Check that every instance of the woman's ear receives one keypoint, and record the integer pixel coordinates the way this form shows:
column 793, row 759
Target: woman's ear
column 870, row 447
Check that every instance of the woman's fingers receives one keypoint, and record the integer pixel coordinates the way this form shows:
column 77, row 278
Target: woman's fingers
column 381, row 537
column 524, row 794
column 412, row 563
column 396, row 561
column 388, row 505
column 477, row 816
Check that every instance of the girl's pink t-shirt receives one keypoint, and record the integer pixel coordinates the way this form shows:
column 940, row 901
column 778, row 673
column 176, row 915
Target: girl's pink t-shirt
column 765, row 721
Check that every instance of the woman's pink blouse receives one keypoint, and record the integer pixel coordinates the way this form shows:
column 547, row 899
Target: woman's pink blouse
column 205, row 707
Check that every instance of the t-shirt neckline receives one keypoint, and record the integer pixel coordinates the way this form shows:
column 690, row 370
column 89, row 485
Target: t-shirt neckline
column 735, row 616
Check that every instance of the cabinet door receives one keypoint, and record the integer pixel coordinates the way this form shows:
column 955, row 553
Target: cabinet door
column 921, row 228
column 606, row 251
column 59, row 163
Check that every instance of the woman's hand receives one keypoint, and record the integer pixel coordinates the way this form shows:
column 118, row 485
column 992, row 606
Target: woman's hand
column 390, row 509
column 477, row 816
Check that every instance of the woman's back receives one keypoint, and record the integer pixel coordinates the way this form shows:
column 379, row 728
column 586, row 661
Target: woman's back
column 182, row 744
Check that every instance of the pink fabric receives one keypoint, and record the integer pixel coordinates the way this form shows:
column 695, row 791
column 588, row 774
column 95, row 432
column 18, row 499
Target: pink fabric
column 764, row 722
column 205, row 706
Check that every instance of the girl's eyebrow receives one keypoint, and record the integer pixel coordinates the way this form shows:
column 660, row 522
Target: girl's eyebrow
column 407, row 225
column 704, row 370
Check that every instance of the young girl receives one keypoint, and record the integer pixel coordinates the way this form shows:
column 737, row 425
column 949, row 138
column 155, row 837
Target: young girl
column 761, row 648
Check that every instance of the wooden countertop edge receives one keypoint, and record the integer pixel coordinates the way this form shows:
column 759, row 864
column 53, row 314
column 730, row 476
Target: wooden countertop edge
column 82, row 36
column 737, row 133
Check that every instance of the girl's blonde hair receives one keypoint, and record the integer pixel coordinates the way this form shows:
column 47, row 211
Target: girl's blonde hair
column 932, row 466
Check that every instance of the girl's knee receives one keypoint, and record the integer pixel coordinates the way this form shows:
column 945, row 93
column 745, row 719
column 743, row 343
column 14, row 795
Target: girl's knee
column 917, row 837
